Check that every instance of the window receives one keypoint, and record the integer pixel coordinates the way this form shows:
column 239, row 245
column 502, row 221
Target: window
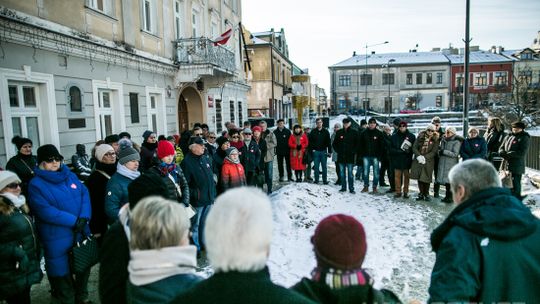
column 429, row 78
column 388, row 78
column 152, row 113
column 109, row 105
column 439, row 78
column 134, row 107
column 231, row 110
column 240, row 114
column 499, row 78
column 219, row 115
column 344, row 80
column 103, row 6
column 480, row 79
column 418, row 78
column 24, row 115
column 438, row 101
column 525, row 76
column 178, row 19
column 459, row 80
column 409, row 79
column 13, row 96
column 75, row 99
column 194, row 23
column 366, row 79
column 149, row 16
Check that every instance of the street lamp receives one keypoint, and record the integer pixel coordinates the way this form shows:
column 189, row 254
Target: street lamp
column 388, row 103
column 365, row 77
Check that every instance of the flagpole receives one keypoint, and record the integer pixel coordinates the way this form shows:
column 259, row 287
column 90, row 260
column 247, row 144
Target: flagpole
column 245, row 46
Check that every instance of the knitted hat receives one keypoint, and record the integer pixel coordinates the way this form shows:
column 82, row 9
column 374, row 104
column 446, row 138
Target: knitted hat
column 112, row 139
column 128, row 154
column 101, row 150
column 125, row 143
column 221, row 140
column 340, row 242
column 231, row 150
column 8, row 177
column 147, row 134
column 147, row 184
column 46, row 152
column 435, row 120
column 473, row 129
column 256, row 128
column 403, row 124
column 518, row 124
column 431, row 127
column 20, row 141
column 451, row 130
column 165, row 148
column 247, row 131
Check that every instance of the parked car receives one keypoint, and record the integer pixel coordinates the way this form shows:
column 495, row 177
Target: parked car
column 432, row 110
column 409, row 111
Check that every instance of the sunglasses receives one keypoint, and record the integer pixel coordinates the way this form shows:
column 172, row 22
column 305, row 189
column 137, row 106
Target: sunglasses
column 54, row 159
column 13, row 185
column 198, row 134
column 212, row 137
column 236, row 137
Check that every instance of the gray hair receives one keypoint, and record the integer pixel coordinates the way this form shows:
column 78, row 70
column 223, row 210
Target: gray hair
column 156, row 223
column 238, row 232
column 474, row 175
column 337, row 124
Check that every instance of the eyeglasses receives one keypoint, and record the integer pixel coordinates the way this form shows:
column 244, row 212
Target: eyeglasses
column 212, row 137
column 236, row 136
column 198, row 134
column 54, row 159
column 110, row 154
column 13, row 185
column 247, row 134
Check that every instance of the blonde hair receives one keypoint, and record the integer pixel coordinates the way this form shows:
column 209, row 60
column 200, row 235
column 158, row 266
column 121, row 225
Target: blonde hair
column 156, row 223
column 497, row 123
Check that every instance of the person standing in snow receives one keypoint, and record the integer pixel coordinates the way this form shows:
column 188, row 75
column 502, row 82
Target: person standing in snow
column 488, row 248
column 271, row 143
column 232, row 172
column 401, row 154
column 340, row 247
column 346, row 146
column 514, row 150
column 371, row 149
column 436, row 121
column 425, row 148
column 337, row 127
column 320, row 146
column 298, row 143
column 494, row 138
column 448, row 157
column 282, row 150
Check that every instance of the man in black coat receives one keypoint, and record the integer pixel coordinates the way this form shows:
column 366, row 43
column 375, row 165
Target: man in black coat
column 514, row 150
column 401, row 155
column 371, row 148
column 346, row 144
column 250, row 156
column 320, row 146
column 282, row 150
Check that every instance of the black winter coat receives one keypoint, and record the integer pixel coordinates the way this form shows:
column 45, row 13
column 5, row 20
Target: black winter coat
column 494, row 140
column 113, row 263
column 19, row 250
column 401, row 160
column 217, row 163
column 200, row 178
column 282, row 137
column 319, row 140
column 250, row 156
column 97, row 189
column 346, row 144
column 514, row 149
column 371, row 143
column 263, row 149
column 172, row 191
column 148, row 156
column 23, row 166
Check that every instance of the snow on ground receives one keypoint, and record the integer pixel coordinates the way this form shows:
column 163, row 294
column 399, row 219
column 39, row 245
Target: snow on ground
column 399, row 255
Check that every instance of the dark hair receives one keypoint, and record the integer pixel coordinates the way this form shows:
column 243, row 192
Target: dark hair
column 280, row 120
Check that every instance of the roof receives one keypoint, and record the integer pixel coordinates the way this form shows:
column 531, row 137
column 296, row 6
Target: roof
column 259, row 41
column 399, row 59
column 480, row 57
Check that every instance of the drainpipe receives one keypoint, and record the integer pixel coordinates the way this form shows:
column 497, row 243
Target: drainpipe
column 272, row 72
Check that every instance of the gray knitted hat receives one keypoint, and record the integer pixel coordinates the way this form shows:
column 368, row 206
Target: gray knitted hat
column 128, row 154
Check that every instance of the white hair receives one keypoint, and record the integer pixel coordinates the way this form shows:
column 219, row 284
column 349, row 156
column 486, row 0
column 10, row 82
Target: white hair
column 238, row 230
column 474, row 175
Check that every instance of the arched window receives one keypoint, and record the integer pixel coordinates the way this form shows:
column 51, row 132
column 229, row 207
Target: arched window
column 75, row 100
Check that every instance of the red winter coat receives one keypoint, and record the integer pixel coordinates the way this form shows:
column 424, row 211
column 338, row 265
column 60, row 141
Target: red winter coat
column 232, row 175
column 297, row 156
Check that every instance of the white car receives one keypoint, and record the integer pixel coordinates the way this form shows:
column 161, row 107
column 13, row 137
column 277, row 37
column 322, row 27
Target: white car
column 432, row 109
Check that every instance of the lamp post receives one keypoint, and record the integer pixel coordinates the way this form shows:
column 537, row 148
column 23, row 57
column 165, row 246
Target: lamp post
column 388, row 103
column 365, row 77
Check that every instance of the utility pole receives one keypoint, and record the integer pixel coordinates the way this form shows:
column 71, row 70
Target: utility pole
column 466, row 78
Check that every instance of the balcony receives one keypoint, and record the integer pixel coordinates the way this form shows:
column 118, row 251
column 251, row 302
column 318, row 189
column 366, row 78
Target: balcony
column 199, row 57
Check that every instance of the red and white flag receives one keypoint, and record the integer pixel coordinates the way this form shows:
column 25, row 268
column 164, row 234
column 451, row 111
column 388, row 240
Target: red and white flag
column 223, row 38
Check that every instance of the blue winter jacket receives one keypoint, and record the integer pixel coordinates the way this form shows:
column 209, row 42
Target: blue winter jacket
column 117, row 195
column 57, row 199
column 474, row 148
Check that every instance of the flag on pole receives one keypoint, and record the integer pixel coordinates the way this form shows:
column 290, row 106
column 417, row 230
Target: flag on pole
column 223, row 38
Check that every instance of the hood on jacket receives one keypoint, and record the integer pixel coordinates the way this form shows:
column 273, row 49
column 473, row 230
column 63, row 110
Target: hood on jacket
column 493, row 213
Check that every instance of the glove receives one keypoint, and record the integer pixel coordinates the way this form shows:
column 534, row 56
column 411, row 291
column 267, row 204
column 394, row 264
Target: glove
column 421, row 159
column 80, row 224
column 298, row 147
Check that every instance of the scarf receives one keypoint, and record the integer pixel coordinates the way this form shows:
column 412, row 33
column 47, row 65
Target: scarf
column 238, row 145
column 149, row 266
column 18, row 201
column 123, row 170
column 298, row 138
column 150, row 146
column 237, row 161
column 110, row 169
column 337, row 279
column 166, row 169
column 425, row 144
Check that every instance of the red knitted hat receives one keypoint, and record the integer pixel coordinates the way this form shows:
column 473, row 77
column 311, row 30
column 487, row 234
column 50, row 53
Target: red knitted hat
column 165, row 148
column 340, row 242
column 256, row 128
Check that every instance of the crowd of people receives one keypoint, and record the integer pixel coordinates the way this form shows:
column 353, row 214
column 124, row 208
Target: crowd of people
column 156, row 207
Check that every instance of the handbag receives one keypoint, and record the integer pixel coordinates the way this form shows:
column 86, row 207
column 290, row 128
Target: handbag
column 84, row 254
column 190, row 210
column 505, row 175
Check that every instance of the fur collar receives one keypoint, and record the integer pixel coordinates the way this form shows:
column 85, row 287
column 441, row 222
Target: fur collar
column 7, row 207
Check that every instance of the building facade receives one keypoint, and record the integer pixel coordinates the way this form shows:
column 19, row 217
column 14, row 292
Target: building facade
column 76, row 73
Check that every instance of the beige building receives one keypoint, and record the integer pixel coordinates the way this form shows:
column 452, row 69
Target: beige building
column 75, row 71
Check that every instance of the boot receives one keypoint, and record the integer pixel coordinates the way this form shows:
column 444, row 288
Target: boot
column 397, row 195
column 405, row 195
column 420, row 197
column 375, row 191
column 436, row 188
column 365, row 189
column 338, row 182
column 447, row 200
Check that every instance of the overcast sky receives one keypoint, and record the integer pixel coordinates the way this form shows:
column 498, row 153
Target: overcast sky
column 322, row 33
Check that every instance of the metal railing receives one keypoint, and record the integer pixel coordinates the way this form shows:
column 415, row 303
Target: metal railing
column 532, row 160
column 203, row 51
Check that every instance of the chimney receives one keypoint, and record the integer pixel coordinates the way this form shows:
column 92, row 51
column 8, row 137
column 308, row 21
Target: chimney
column 354, row 53
column 372, row 52
column 493, row 49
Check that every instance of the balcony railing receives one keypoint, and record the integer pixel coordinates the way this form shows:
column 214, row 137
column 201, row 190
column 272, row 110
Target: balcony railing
column 202, row 51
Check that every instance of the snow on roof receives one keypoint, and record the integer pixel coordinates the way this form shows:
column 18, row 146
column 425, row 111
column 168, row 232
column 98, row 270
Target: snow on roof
column 259, row 41
column 479, row 57
column 400, row 59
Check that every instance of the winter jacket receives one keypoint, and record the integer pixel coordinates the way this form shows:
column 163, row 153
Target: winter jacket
column 81, row 162
column 148, row 156
column 159, row 275
column 113, row 263
column 346, row 145
column 282, row 137
column 24, row 166
column 263, row 149
column 232, row 175
column 401, row 159
column 371, row 143
column 487, row 251
column 321, row 293
column 200, row 178
column 494, row 140
column 319, row 140
column 514, row 149
column 448, row 157
column 474, row 148
column 271, row 143
column 250, row 156
column 97, row 188
column 297, row 156
column 334, row 153
column 179, row 155
column 58, row 199
column 19, row 250
column 424, row 172
column 117, row 195
column 217, row 163
column 240, row 287
column 178, row 176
